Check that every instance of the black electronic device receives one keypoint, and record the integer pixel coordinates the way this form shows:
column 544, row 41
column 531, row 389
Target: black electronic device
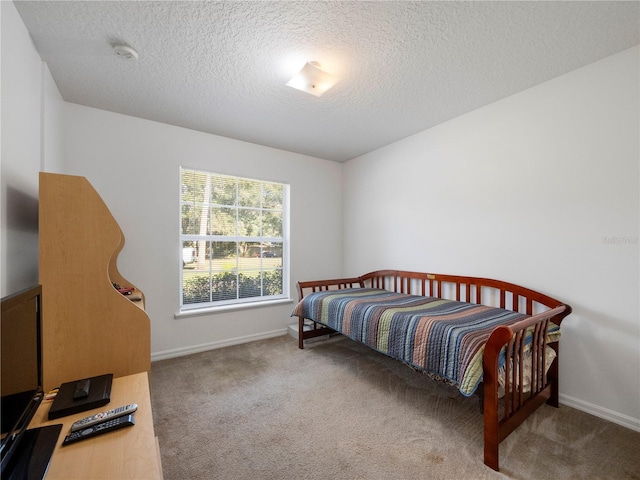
column 100, row 428
column 81, row 395
column 24, row 454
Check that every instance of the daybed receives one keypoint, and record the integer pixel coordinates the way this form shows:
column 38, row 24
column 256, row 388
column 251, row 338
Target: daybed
column 481, row 335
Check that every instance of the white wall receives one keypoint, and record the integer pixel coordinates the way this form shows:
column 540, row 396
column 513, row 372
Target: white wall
column 30, row 140
column 134, row 165
column 53, row 124
column 540, row 189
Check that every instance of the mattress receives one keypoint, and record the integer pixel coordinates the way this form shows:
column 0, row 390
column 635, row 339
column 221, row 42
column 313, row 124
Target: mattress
column 443, row 338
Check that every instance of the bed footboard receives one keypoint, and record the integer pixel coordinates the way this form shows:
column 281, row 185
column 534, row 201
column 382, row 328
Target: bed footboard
column 517, row 403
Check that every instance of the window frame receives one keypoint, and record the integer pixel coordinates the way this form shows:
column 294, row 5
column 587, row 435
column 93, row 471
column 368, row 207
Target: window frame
column 187, row 309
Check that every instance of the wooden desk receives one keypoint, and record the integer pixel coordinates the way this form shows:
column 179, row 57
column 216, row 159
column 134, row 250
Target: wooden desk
column 129, row 453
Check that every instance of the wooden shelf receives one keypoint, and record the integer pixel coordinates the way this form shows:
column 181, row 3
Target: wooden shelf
column 89, row 328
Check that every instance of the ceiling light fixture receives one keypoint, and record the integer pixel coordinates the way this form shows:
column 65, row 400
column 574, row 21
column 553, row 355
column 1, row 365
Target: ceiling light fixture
column 125, row 51
column 312, row 79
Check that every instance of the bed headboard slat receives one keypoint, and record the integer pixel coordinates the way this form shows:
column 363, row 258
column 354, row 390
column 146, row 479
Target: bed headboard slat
column 461, row 288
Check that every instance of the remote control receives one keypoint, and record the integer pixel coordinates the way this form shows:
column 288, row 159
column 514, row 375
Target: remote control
column 103, row 416
column 99, row 429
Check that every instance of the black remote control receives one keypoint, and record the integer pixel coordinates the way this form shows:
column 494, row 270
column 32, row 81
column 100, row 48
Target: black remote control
column 100, row 428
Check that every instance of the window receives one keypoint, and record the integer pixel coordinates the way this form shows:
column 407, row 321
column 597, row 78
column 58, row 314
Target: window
column 233, row 234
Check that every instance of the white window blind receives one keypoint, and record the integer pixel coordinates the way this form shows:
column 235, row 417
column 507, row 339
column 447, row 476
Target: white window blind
column 233, row 234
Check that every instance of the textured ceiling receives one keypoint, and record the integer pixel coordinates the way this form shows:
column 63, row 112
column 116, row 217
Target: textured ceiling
column 221, row 67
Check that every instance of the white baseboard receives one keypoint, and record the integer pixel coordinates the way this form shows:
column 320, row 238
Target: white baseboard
column 598, row 411
column 203, row 347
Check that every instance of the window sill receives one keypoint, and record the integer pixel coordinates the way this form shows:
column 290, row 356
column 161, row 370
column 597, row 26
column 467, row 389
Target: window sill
column 230, row 308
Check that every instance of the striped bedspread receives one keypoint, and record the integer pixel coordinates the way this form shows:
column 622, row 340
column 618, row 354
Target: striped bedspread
column 443, row 338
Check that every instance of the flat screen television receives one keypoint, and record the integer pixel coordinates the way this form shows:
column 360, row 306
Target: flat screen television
column 24, row 453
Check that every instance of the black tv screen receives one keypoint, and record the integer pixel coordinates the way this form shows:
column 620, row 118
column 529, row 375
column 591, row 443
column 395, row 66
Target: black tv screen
column 21, row 364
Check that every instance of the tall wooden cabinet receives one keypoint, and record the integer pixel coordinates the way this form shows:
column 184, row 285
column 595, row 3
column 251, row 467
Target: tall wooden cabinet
column 89, row 328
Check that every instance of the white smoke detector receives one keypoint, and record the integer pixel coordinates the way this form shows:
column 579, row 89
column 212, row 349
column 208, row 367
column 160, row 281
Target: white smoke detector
column 125, row 51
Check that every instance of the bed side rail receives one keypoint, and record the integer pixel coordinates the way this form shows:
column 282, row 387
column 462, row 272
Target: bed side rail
column 476, row 290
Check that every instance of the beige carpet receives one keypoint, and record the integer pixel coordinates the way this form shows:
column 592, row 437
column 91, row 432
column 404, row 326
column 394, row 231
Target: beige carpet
column 337, row 410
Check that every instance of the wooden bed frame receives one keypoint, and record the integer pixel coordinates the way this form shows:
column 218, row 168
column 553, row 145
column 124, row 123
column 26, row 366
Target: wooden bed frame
column 542, row 309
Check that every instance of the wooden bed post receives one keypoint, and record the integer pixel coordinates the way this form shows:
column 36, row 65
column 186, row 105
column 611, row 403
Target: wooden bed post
column 499, row 337
column 553, row 378
column 300, row 333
